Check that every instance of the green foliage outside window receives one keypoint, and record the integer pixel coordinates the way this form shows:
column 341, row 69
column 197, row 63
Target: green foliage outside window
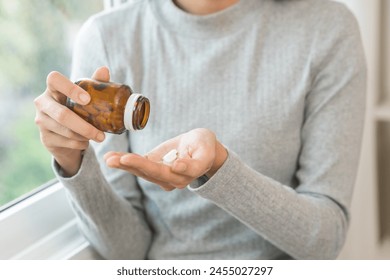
column 36, row 37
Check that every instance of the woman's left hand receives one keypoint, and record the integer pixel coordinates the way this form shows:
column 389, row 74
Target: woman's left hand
column 199, row 153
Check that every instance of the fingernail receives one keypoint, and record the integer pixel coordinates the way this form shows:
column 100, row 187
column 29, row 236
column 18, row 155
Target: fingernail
column 180, row 167
column 100, row 137
column 84, row 97
column 126, row 159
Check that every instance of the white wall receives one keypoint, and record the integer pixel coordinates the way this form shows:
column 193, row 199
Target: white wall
column 363, row 238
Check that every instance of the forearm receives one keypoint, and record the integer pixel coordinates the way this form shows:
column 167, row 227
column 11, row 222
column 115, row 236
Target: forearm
column 69, row 164
column 304, row 225
column 113, row 225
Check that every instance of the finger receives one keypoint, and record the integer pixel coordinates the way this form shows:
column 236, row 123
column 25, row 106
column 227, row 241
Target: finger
column 58, row 83
column 102, row 74
column 157, row 153
column 199, row 162
column 111, row 154
column 164, row 185
column 185, row 152
column 167, row 188
column 114, row 162
column 45, row 122
column 65, row 117
column 154, row 170
column 112, row 159
column 190, row 167
column 53, row 140
column 146, row 166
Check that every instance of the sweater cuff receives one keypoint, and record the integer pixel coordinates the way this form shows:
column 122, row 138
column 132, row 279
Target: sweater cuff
column 89, row 165
column 220, row 181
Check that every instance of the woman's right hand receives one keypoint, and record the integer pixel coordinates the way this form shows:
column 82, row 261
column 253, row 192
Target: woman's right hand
column 64, row 134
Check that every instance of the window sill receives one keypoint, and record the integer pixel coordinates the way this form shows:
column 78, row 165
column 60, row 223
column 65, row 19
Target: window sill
column 42, row 227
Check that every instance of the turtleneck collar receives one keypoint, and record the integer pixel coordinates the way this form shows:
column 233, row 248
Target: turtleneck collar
column 214, row 25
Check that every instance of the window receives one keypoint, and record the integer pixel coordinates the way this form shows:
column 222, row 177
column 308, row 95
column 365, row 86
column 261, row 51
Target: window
column 382, row 110
column 36, row 38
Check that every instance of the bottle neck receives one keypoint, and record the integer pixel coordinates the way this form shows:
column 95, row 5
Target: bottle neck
column 129, row 111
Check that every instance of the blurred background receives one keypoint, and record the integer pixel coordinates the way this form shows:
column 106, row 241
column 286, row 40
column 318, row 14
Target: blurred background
column 37, row 37
column 369, row 234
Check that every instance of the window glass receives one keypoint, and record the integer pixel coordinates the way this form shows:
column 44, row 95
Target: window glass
column 36, row 37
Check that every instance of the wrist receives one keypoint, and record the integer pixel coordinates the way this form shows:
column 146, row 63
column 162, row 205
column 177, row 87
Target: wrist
column 220, row 157
column 69, row 165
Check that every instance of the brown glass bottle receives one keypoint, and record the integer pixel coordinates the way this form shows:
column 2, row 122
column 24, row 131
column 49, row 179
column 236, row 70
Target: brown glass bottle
column 113, row 107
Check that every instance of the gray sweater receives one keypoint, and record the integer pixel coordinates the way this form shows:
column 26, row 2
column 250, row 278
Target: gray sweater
column 281, row 83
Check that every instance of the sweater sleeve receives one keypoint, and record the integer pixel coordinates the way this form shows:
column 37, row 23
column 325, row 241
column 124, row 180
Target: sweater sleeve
column 310, row 220
column 107, row 202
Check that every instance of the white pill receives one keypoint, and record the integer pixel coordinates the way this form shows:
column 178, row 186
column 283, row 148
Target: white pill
column 170, row 157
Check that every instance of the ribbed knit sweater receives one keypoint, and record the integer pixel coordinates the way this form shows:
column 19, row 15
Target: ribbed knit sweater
column 281, row 83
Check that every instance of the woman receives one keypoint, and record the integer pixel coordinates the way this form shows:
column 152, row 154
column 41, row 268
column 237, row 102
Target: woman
column 263, row 99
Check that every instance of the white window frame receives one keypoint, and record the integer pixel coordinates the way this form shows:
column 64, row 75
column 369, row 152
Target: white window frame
column 42, row 226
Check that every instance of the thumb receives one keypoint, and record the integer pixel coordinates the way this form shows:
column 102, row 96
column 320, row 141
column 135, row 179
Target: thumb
column 189, row 167
column 102, row 74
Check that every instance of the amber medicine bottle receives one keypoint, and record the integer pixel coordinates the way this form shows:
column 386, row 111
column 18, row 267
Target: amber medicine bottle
column 113, row 107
